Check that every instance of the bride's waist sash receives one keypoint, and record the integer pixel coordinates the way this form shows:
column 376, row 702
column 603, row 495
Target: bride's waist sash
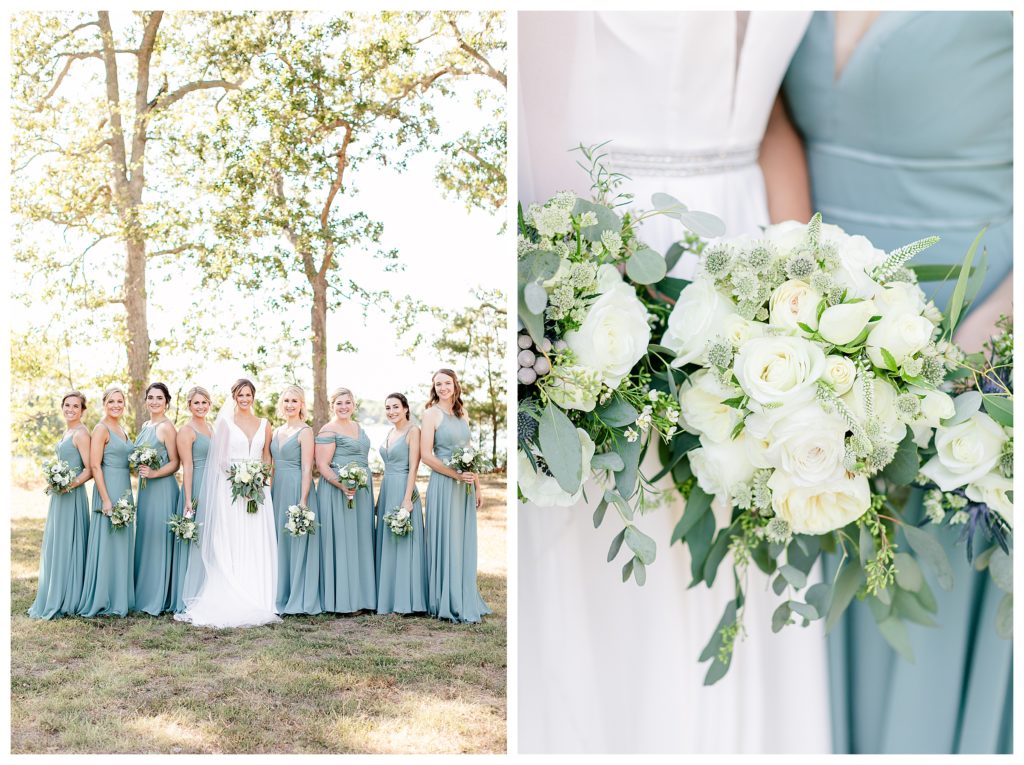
column 709, row 161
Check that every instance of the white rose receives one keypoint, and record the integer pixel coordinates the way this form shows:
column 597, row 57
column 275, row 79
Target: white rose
column 820, row 508
column 737, row 330
column 902, row 334
column 703, row 412
column 403, row 514
column 543, row 490
column 883, row 402
column 696, row 319
column 808, row 444
column 857, row 259
column 965, row 452
column 991, row 489
column 779, row 369
column 840, row 373
column 792, row 303
column 719, row 467
column 568, row 390
column 614, row 335
column 787, row 235
column 243, row 474
column 937, row 406
column 900, row 297
column 840, row 324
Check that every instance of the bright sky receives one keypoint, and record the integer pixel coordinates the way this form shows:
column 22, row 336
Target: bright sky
column 446, row 251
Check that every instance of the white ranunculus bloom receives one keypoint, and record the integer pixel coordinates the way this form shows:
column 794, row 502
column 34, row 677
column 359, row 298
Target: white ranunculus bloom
column 808, row 445
column 696, row 319
column 792, row 303
column 615, row 333
column 564, row 389
column 719, row 467
column 779, row 369
column 857, row 259
column 703, row 412
column 902, row 334
column 840, row 373
column 991, row 489
column 965, row 452
column 883, row 401
column 820, row 508
column 840, row 324
column 543, row 490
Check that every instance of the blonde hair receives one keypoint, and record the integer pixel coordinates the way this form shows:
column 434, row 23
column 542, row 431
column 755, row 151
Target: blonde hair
column 337, row 392
column 76, row 394
column 242, row 383
column 112, row 390
column 302, row 399
column 197, row 390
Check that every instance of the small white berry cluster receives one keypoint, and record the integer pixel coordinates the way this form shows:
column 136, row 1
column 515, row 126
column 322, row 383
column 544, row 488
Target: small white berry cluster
column 533, row 358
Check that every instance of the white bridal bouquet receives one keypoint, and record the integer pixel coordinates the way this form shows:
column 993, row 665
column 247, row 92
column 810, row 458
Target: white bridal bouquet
column 354, row 476
column 183, row 526
column 810, row 378
column 58, row 475
column 143, row 456
column 122, row 512
column 300, row 521
column 467, row 459
column 399, row 521
column 248, row 477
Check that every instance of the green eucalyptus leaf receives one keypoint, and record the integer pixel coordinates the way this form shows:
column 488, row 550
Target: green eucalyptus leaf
column 702, row 224
column 646, row 267
column 615, row 498
column 534, row 323
column 667, row 203
column 617, row 413
column 1000, row 566
column 616, row 544
column 965, row 405
column 926, row 598
column 642, row 545
column 536, row 297
column 935, row 273
column 906, row 606
column 599, row 512
column 639, row 572
column 796, row 578
column 538, row 266
column 627, row 570
column 717, row 553
column 696, row 505
column 1004, row 617
column 908, row 573
column 976, row 279
column 895, row 633
column 803, row 552
column 671, row 287
column 999, row 408
column 699, row 541
column 818, row 595
column 607, row 461
column 626, row 479
column 607, row 219
column 956, row 300
column 561, row 447
column 805, row 610
column 780, row 618
column 779, row 584
column 850, row 579
column 930, row 551
column 675, row 252
column 905, row 464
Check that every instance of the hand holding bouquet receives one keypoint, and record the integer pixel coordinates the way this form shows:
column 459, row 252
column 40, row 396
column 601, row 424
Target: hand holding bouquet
column 248, row 477
column 143, row 456
column 59, row 476
column 466, row 459
column 399, row 521
column 123, row 512
column 354, row 476
column 184, row 527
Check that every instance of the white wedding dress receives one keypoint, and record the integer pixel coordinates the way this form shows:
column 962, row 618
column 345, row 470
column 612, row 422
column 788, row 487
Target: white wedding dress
column 231, row 579
column 606, row 666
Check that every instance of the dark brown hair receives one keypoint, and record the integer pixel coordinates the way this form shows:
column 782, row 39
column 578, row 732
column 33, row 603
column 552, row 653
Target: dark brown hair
column 76, row 394
column 457, row 408
column 240, row 383
column 404, row 401
column 162, row 388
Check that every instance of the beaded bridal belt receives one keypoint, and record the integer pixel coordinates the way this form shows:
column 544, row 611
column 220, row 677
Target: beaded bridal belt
column 683, row 163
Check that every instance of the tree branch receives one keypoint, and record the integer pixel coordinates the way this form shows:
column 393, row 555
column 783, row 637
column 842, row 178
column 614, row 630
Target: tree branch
column 164, row 101
column 488, row 69
column 120, row 155
column 339, row 173
column 72, row 58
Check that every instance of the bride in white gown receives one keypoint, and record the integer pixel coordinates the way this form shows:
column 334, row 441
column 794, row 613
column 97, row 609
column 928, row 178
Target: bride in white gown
column 232, row 570
column 603, row 666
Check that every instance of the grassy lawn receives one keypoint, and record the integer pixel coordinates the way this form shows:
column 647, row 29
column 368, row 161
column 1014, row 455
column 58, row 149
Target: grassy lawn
column 309, row 685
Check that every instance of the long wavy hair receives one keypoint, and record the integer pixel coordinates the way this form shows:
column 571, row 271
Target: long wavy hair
column 457, row 408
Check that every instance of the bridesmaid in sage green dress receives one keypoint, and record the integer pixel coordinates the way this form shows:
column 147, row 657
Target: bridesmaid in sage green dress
column 109, row 588
column 193, row 442
column 452, row 591
column 908, row 123
column 347, row 577
column 401, row 561
column 62, row 559
column 298, row 557
column 158, row 499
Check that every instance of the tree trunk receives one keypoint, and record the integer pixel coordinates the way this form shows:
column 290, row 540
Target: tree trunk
column 138, row 328
column 318, row 325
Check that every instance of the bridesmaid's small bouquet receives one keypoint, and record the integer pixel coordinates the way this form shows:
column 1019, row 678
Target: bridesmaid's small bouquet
column 467, row 459
column 354, row 476
column 143, row 456
column 300, row 521
column 248, row 477
column 399, row 521
column 58, row 475
column 122, row 514
column 184, row 527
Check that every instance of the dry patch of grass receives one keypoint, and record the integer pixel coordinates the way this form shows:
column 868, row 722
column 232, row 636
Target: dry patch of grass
column 309, row 685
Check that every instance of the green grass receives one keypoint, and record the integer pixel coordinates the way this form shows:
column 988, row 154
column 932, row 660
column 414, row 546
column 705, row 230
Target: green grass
column 308, row 685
